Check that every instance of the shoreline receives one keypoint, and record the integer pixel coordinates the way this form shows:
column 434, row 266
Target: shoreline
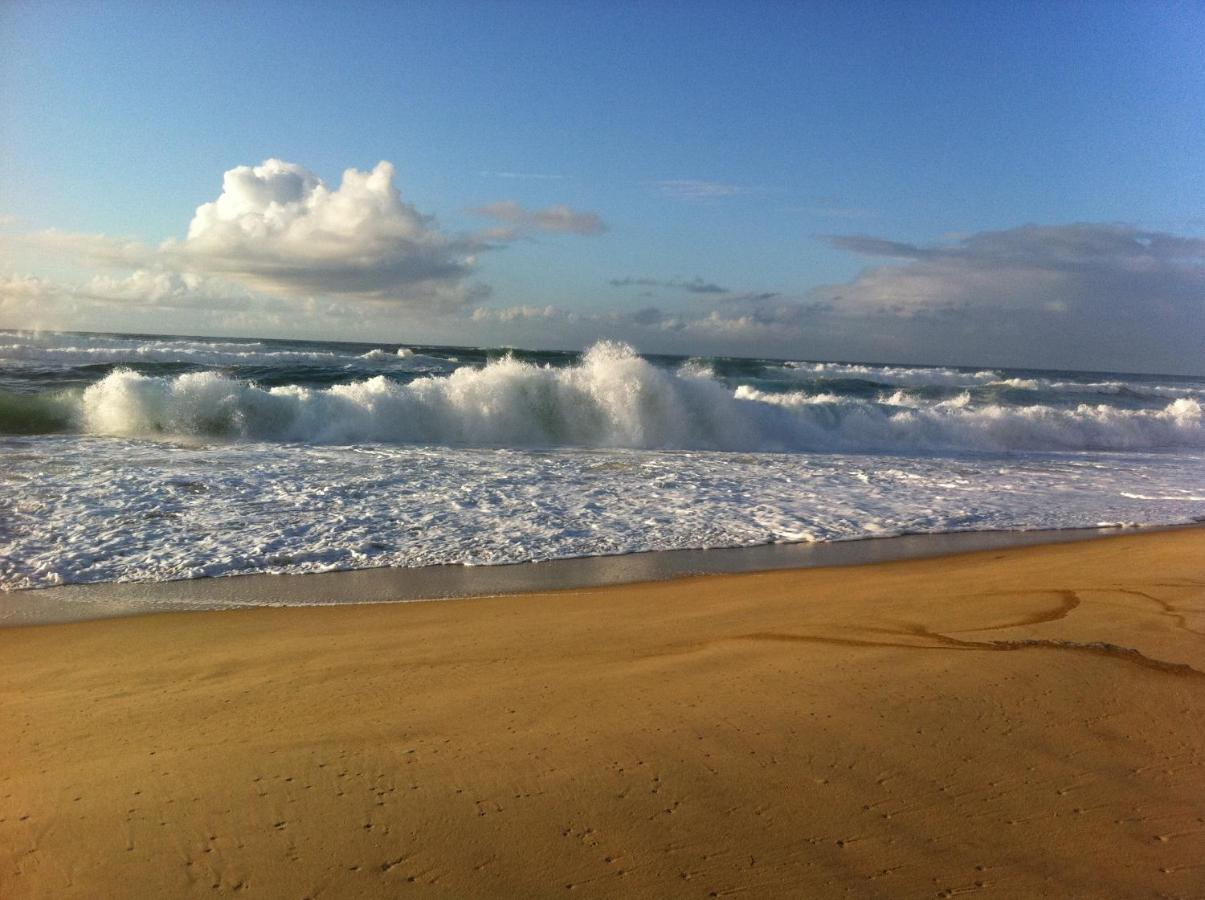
column 1014, row 722
column 101, row 600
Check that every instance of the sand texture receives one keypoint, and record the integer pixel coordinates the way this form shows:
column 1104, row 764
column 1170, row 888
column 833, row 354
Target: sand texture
column 1018, row 723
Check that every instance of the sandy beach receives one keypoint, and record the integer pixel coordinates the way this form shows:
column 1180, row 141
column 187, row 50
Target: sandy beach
column 1014, row 723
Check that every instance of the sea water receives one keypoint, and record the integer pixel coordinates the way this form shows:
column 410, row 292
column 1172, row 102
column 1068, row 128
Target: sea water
column 148, row 458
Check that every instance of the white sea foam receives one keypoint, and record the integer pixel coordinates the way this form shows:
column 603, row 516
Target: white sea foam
column 379, row 355
column 934, row 376
column 368, row 457
column 613, row 398
column 205, row 353
column 1024, row 384
column 909, row 375
column 1137, row 388
column 696, row 368
column 81, row 509
column 81, row 350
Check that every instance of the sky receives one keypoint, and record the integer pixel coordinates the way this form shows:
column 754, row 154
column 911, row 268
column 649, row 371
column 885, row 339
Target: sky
column 983, row 183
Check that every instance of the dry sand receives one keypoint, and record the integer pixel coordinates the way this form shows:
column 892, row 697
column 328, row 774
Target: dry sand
column 1015, row 723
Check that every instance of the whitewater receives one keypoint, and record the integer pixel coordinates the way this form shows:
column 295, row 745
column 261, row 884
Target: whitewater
column 149, row 458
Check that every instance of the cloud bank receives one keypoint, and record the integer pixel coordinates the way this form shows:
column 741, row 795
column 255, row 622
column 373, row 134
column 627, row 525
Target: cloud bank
column 1105, row 270
column 277, row 236
column 1086, row 296
column 279, row 251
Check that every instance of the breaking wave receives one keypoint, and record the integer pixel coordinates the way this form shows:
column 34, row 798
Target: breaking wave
column 921, row 378
column 611, row 398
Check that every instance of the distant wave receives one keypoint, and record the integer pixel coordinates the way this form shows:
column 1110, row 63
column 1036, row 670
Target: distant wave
column 205, row 353
column 922, row 378
column 611, row 398
column 910, row 375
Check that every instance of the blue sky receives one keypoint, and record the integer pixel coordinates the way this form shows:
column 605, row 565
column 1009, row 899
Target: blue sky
column 721, row 142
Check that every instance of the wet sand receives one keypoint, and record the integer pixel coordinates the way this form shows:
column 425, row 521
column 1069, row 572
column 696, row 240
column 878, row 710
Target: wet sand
column 1013, row 722
column 77, row 602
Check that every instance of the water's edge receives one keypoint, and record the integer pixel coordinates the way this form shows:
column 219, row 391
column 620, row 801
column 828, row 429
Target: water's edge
column 73, row 603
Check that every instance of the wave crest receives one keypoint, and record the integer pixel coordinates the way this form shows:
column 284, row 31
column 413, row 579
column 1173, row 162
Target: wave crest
column 611, row 398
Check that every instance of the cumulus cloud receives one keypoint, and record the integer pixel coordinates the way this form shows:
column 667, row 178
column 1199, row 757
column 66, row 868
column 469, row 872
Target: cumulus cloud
column 279, row 227
column 554, row 220
column 277, row 249
column 277, row 230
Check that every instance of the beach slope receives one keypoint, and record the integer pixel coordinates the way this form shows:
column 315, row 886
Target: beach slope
column 1027, row 722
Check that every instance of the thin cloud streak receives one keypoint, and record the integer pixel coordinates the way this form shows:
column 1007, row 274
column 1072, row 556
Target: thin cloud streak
column 524, row 176
column 851, row 213
column 695, row 189
column 693, row 286
column 552, row 220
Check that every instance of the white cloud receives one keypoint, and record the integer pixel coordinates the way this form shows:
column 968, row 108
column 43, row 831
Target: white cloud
column 103, row 299
column 746, row 326
column 143, row 286
column 24, row 296
column 276, row 238
column 279, row 227
column 165, row 289
column 1087, row 296
column 277, row 230
column 279, row 251
column 27, row 301
column 95, row 249
column 525, row 313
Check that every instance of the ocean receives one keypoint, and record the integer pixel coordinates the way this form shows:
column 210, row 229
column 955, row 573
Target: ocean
column 153, row 458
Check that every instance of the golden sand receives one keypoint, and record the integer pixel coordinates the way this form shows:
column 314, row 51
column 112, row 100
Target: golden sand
column 1014, row 723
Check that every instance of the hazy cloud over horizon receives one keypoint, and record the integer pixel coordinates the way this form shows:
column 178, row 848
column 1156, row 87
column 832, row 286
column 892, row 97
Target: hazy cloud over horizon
column 1082, row 268
column 1102, row 296
column 277, row 228
column 279, row 249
